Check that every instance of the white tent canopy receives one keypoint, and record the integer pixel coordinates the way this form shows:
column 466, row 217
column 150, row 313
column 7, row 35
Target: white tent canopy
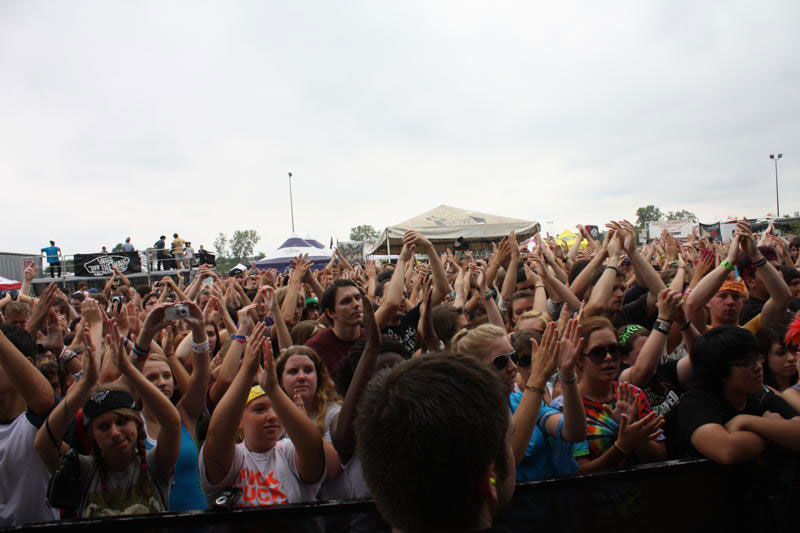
column 279, row 258
column 444, row 224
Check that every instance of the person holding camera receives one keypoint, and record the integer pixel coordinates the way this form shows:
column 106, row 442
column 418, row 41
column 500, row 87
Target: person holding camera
column 120, row 476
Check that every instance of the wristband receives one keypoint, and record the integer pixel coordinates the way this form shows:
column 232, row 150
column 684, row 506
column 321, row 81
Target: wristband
column 240, row 338
column 727, row 264
column 665, row 320
column 615, row 269
column 66, row 356
column 565, row 380
column 534, row 389
column 760, row 263
column 77, row 375
column 687, row 326
column 538, row 287
column 200, row 347
column 139, row 352
column 622, row 450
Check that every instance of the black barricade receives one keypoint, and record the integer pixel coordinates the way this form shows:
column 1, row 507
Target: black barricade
column 674, row 496
column 99, row 265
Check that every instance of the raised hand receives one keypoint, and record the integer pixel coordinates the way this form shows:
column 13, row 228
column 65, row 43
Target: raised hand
column 625, row 404
column 570, row 346
column 545, row 357
column 631, row 435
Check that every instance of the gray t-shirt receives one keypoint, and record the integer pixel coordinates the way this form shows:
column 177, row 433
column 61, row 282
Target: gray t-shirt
column 133, row 491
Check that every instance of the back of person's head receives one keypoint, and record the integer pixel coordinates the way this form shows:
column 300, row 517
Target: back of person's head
column 21, row 339
column 329, row 296
column 446, row 321
column 127, row 239
column 175, row 235
column 52, row 243
column 163, row 237
column 714, row 353
column 385, row 275
column 347, row 366
column 576, row 269
column 304, row 330
column 475, row 341
column 433, row 440
column 789, row 273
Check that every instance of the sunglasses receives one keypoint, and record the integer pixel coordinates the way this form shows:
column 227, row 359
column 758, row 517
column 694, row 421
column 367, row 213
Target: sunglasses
column 524, row 361
column 598, row 354
column 501, row 361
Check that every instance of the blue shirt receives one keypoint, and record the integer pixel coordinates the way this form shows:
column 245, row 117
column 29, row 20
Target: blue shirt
column 187, row 492
column 52, row 253
column 546, row 456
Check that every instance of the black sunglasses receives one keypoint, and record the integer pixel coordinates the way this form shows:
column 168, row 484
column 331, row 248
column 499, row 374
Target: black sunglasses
column 524, row 361
column 501, row 361
column 598, row 354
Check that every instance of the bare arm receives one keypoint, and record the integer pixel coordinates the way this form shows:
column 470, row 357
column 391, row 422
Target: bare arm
column 393, row 292
column 26, row 379
column 727, row 447
column 309, row 451
column 194, row 398
column 219, row 448
column 343, row 431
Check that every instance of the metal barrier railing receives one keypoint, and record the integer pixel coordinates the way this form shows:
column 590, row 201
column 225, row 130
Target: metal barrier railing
column 695, row 495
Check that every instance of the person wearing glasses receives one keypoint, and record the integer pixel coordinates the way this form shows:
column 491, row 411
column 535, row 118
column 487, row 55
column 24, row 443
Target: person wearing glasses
column 537, row 426
column 622, row 429
column 730, row 416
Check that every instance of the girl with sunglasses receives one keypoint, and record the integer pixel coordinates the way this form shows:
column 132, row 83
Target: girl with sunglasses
column 622, row 429
column 543, row 437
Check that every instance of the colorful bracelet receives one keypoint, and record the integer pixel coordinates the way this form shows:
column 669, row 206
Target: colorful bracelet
column 727, row 264
column 240, row 338
column 564, row 380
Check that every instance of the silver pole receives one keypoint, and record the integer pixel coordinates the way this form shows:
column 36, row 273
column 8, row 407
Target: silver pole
column 291, row 202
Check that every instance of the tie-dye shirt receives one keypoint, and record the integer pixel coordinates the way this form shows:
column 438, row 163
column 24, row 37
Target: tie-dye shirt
column 601, row 428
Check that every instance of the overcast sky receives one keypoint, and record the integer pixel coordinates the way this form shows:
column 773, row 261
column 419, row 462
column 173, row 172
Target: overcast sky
column 140, row 118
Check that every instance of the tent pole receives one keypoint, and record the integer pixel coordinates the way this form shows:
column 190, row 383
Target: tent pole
column 388, row 251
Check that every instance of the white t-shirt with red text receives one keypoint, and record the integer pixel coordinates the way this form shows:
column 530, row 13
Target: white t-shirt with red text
column 266, row 478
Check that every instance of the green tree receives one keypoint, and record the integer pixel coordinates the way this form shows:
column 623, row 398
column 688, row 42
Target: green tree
column 364, row 232
column 647, row 214
column 221, row 246
column 243, row 242
column 117, row 248
column 683, row 214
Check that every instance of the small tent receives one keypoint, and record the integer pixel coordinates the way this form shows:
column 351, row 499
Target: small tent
column 9, row 284
column 291, row 248
column 444, row 225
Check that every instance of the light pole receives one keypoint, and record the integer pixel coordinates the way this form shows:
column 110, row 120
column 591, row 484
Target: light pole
column 291, row 203
column 777, row 200
column 550, row 227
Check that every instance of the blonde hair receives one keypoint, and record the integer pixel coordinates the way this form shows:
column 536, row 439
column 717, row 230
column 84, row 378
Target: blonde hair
column 473, row 342
column 543, row 317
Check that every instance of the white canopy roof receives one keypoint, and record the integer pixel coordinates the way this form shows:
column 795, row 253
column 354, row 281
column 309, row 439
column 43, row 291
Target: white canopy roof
column 444, row 224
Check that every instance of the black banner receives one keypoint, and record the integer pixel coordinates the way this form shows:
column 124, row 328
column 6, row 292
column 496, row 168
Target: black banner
column 206, row 258
column 712, row 231
column 99, row 265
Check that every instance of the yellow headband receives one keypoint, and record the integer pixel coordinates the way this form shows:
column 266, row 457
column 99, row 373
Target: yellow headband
column 255, row 392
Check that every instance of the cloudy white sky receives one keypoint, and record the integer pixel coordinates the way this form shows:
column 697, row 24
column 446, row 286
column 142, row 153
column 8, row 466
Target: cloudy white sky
column 141, row 118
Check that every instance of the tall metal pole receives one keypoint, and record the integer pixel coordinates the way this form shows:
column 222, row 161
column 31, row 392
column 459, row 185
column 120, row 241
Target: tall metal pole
column 777, row 198
column 291, row 202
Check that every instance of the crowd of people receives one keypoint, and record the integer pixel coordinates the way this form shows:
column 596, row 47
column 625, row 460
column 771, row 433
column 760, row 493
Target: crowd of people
column 432, row 384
